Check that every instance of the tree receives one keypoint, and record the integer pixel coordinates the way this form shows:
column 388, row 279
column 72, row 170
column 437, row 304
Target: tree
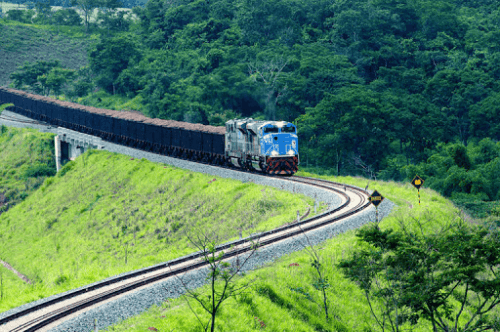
column 87, row 6
column 321, row 282
column 262, row 21
column 23, row 16
column 43, row 12
column 357, row 119
column 54, row 80
column 435, row 276
column 111, row 56
column 83, row 84
column 110, row 19
column 27, row 75
column 484, row 115
column 267, row 74
column 111, row 5
column 221, row 277
column 114, row 21
column 67, row 17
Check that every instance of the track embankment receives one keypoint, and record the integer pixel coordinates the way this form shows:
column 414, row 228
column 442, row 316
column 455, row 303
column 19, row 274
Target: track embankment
column 131, row 293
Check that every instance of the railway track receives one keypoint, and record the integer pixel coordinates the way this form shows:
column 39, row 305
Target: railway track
column 12, row 119
column 49, row 314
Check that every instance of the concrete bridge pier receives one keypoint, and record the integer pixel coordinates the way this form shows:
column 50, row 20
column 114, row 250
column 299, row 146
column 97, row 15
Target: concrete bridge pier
column 57, row 143
column 70, row 144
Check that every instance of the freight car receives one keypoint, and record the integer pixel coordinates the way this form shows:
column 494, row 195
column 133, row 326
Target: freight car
column 173, row 138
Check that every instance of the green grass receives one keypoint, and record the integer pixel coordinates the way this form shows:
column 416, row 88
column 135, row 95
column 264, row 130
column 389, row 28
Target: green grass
column 74, row 229
column 274, row 298
column 11, row 282
column 113, row 102
column 26, row 157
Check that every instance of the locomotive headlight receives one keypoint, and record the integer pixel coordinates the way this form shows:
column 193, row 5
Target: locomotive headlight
column 274, row 153
column 290, row 152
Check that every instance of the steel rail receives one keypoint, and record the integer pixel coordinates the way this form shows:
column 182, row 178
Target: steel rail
column 13, row 119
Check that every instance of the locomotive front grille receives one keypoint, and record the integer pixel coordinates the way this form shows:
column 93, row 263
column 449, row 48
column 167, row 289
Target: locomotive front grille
column 282, row 165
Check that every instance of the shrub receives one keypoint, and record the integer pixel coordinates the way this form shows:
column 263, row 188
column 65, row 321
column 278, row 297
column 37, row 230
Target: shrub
column 23, row 16
column 68, row 167
column 495, row 211
column 67, row 17
column 11, row 194
column 61, row 279
column 176, row 225
column 38, row 170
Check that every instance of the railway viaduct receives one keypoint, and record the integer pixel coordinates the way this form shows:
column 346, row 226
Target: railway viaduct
column 70, row 144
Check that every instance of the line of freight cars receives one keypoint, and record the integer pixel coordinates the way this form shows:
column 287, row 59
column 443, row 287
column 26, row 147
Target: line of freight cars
column 178, row 139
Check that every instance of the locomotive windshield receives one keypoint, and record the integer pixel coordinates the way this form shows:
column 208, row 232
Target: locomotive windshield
column 271, row 129
column 288, row 129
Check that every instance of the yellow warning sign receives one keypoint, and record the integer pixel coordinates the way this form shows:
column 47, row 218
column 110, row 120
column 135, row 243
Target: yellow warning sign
column 417, row 182
column 375, row 198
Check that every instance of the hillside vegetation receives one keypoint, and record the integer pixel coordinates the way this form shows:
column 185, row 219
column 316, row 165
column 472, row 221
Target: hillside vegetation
column 285, row 294
column 26, row 160
column 20, row 43
column 379, row 88
column 106, row 213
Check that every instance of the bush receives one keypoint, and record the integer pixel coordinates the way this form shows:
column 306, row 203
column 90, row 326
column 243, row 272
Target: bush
column 66, row 17
column 11, row 194
column 68, row 167
column 176, row 225
column 23, row 16
column 495, row 211
column 61, row 279
column 38, row 170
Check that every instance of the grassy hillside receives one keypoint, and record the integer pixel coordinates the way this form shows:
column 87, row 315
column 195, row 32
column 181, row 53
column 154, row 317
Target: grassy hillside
column 108, row 210
column 26, row 42
column 26, row 159
column 283, row 297
column 9, row 281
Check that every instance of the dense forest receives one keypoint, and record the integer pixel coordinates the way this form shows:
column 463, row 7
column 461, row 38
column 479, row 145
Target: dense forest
column 381, row 88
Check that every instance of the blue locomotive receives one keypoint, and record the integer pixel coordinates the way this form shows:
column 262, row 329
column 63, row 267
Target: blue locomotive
column 269, row 146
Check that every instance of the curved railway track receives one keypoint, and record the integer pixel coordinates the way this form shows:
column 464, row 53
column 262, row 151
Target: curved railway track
column 47, row 315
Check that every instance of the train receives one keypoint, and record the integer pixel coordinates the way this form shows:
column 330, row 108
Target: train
column 267, row 146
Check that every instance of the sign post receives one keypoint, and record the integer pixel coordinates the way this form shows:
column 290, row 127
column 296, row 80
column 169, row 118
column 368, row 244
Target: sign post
column 417, row 182
column 376, row 198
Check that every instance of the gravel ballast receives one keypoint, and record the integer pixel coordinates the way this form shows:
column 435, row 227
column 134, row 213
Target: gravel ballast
column 139, row 301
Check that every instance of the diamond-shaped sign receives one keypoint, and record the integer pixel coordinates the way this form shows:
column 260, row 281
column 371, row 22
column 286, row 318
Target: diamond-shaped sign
column 417, row 182
column 375, row 198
